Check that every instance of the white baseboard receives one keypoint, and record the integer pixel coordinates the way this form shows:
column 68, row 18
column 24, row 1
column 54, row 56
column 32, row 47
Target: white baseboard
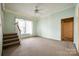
column 77, row 50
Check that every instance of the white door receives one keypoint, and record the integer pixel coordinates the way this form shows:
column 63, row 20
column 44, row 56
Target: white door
column 0, row 32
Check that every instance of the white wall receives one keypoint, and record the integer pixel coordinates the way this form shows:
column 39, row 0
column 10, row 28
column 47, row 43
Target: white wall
column 9, row 24
column 77, row 27
column 50, row 27
column 0, row 31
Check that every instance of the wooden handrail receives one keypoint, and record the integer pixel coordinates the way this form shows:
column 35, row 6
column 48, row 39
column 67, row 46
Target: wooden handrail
column 18, row 30
column 17, row 26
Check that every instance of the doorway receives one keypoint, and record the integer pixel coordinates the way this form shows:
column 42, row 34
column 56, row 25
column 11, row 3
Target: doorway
column 67, row 29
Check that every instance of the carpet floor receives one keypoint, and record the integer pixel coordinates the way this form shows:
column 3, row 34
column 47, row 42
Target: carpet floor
column 37, row 46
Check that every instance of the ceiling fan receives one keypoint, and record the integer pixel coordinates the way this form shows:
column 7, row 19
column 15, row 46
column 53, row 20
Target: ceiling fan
column 36, row 9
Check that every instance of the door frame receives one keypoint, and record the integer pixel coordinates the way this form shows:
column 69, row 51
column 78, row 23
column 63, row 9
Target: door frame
column 65, row 19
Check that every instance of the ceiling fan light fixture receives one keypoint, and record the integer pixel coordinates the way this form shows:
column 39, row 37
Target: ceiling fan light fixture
column 36, row 10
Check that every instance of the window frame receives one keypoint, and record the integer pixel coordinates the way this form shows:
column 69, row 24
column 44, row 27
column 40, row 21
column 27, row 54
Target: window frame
column 26, row 27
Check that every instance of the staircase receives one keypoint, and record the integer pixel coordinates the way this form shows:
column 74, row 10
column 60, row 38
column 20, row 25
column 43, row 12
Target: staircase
column 10, row 39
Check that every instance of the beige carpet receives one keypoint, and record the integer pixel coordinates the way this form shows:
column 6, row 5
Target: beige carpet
column 37, row 46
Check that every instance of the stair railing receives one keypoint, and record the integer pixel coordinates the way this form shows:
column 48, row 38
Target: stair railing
column 18, row 31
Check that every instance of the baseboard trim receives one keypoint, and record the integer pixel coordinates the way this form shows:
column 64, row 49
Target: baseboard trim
column 48, row 38
column 29, row 37
column 76, row 49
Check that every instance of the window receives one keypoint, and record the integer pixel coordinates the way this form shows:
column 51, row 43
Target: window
column 25, row 26
column 28, row 27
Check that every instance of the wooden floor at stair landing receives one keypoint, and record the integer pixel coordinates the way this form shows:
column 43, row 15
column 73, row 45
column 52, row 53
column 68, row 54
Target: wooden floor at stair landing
column 36, row 46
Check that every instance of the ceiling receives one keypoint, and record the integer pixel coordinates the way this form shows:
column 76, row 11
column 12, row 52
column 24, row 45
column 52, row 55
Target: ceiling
column 44, row 8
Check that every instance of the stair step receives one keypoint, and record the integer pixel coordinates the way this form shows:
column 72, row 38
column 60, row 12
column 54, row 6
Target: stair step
column 7, row 34
column 9, row 37
column 12, row 43
column 10, row 40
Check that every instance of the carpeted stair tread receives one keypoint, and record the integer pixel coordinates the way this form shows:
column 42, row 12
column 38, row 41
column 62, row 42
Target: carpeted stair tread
column 7, row 34
column 12, row 43
column 10, row 40
column 9, row 37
